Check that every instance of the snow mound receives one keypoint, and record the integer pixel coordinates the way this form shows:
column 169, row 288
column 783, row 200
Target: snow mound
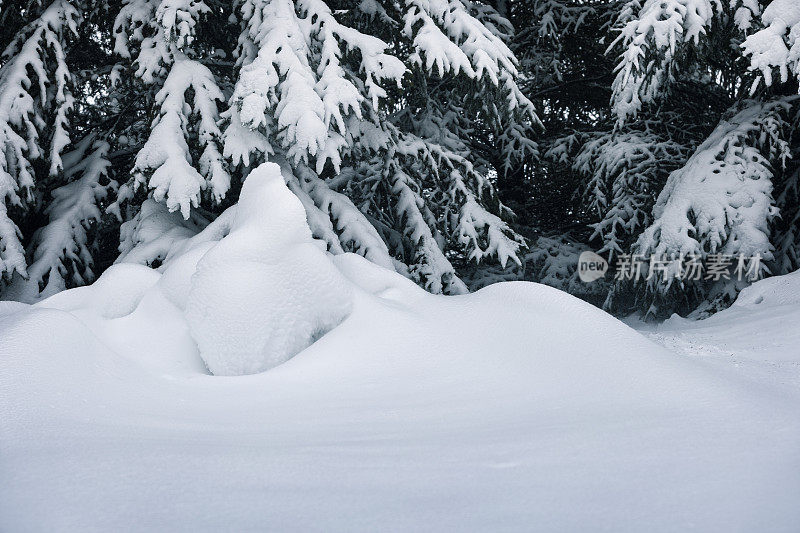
column 777, row 290
column 245, row 294
column 755, row 337
column 115, row 294
column 512, row 406
column 489, row 411
column 266, row 290
column 130, row 309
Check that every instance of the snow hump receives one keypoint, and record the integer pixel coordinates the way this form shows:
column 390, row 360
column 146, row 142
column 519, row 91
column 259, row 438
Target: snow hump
column 267, row 290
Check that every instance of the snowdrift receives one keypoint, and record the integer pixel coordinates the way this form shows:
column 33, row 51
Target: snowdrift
column 779, row 290
column 265, row 290
column 244, row 295
column 757, row 337
column 514, row 408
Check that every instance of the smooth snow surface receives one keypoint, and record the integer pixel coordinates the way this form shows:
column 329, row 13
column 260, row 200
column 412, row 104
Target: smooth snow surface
column 758, row 337
column 517, row 408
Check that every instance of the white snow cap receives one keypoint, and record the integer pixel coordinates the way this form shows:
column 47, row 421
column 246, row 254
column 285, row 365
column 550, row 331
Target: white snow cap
column 266, row 291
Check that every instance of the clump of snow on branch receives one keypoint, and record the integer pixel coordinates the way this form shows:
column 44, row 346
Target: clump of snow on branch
column 449, row 39
column 160, row 28
column 281, row 97
column 165, row 158
column 777, row 46
column 269, row 272
column 398, row 170
column 651, row 37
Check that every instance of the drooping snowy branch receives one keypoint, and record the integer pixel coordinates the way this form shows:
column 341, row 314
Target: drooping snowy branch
column 340, row 223
column 721, row 200
column 429, row 267
column 447, row 38
column 651, row 37
column 34, row 82
column 160, row 28
column 62, row 249
column 284, row 98
column 165, row 163
column 777, row 46
column 426, row 197
column 625, row 171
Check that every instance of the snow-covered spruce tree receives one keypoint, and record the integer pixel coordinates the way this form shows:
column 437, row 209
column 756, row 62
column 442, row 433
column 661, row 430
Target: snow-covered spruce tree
column 720, row 203
column 722, row 200
column 392, row 122
column 35, row 102
column 356, row 102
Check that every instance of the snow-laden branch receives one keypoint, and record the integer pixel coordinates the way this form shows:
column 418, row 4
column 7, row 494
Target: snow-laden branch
column 165, row 162
column 159, row 28
column 447, row 38
column 651, row 37
column 343, row 226
column 282, row 95
column 63, row 252
column 624, row 172
column 37, row 49
column 721, row 200
column 777, row 46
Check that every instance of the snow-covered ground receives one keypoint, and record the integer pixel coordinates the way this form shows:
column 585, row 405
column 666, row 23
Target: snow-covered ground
column 758, row 337
column 517, row 407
